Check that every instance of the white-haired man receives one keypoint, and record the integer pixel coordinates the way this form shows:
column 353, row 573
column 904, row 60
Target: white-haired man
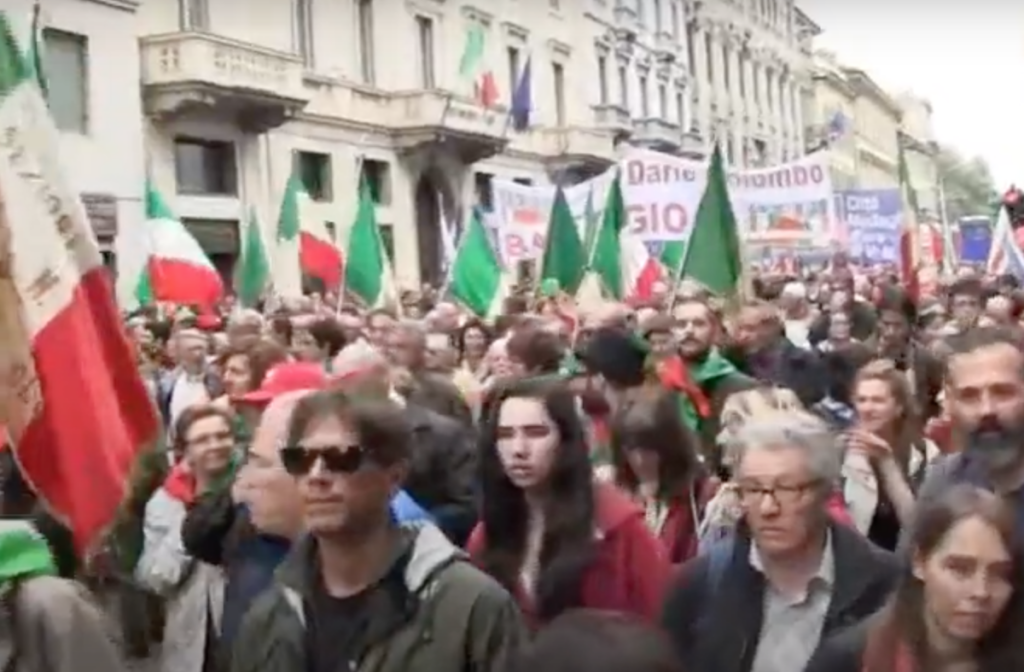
column 810, row 575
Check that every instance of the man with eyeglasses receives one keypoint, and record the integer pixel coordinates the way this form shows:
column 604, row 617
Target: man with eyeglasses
column 762, row 600
column 359, row 591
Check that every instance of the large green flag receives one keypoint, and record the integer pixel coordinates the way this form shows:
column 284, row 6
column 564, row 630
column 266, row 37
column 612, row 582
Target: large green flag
column 477, row 279
column 565, row 258
column 367, row 271
column 253, row 266
column 606, row 259
column 713, row 257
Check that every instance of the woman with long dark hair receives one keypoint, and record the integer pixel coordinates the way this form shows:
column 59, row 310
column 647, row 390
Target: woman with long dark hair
column 548, row 533
column 655, row 459
column 956, row 608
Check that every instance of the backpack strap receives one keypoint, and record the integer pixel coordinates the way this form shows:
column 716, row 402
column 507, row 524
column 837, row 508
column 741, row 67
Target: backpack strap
column 719, row 556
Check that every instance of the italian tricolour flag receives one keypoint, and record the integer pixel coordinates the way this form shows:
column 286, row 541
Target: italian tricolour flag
column 472, row 67
column 70, row 393
column 176, row 270
column 318, row 253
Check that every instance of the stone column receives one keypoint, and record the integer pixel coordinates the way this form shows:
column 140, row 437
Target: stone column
column 797, row 91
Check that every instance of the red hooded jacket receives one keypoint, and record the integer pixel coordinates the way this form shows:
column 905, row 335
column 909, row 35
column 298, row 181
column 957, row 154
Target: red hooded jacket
column 631, row 570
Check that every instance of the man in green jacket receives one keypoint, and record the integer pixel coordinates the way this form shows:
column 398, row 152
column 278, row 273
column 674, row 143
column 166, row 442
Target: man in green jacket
column 360, row 592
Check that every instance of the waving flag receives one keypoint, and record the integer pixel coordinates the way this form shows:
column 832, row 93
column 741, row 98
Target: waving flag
column 70, row 392
column 1005, row 255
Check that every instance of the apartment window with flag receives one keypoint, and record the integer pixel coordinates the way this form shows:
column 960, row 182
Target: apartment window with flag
column 513, row 68
column 366, row 51
column 314, row 171
column 645, row 103
column 194, row 14
column 558, row 77
column 623, row 86
column 425, row 33
column 66, row 64
column 602, row 78
column 304, row 31
column 205, row 167
column 378, row 177
column 484, row 190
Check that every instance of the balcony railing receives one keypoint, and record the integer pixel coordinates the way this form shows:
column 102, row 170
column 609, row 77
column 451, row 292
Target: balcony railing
column 214, row 60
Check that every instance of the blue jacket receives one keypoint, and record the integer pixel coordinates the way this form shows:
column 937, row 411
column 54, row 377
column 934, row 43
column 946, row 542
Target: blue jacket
column 405, row 509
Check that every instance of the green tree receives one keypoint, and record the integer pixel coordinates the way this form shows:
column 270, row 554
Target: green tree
column 968, row 183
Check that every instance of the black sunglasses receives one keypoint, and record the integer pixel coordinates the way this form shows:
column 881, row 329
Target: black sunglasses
column 299, row 461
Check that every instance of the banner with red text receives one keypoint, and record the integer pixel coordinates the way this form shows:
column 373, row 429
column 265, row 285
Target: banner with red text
column 790, row 205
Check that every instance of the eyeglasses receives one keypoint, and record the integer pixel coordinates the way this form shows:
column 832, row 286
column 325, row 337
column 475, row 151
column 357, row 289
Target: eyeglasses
column 216, row 437
column 299, row 460
column 782, row 495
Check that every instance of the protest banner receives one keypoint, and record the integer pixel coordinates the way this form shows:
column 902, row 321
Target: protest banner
column 873, row 220
column 789, row 205
column 975, row 239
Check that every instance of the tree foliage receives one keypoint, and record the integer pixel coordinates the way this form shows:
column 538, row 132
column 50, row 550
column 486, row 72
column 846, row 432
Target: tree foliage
column 969, row 186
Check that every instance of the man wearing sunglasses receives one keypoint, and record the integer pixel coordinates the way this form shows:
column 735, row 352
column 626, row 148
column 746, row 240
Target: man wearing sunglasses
column 360, row 591
column 442, row 470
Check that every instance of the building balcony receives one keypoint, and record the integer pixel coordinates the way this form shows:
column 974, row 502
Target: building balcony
column 692, row 146
column 575, row 154
column 426, row 120
column 204, row 76
column 627, row 22
column 614, row 118
column 666, row 49
column 657, row 134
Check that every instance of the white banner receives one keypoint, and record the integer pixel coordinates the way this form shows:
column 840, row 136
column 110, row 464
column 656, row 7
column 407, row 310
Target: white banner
column 789, row 205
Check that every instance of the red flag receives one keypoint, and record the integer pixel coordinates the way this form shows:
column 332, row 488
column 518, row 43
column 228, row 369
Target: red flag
column 70, row 391
column 910, row 244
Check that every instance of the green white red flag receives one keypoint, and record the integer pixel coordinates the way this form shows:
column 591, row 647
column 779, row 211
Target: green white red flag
column 70, row 392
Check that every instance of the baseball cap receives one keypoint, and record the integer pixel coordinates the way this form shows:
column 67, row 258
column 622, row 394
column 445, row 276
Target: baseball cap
column 284, row 378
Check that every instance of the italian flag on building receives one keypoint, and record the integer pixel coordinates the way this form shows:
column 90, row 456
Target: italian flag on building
column 71, row 399
column 176, row 270
column 473, row 68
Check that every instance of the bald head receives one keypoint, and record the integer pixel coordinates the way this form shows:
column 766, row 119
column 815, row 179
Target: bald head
column 609, row 315
column 362, row 367
column 272, row 430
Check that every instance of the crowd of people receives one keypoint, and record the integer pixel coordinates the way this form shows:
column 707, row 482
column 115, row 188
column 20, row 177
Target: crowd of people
column 826, row 477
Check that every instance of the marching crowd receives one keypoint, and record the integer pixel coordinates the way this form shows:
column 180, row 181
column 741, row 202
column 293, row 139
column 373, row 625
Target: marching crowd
column 827, row 477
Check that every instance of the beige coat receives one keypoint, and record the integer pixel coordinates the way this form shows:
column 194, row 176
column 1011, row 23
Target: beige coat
column 58, row 627
column 194, row 590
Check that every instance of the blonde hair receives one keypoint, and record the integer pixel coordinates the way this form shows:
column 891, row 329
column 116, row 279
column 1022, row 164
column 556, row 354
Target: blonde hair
column 908, row 429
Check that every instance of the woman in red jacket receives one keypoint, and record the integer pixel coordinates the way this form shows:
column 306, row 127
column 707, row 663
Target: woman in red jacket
column 655, row 460
column 549, row 533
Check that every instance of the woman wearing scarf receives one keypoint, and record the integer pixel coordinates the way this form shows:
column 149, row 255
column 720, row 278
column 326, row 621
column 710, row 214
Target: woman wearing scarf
column 194, row 589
